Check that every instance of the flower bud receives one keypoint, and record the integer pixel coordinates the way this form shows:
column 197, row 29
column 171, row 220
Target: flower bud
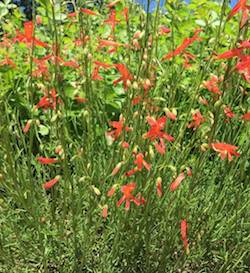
column 96, row 190
column 135, row 85
column 116, row 168
column 151, row 152
column 204, row 147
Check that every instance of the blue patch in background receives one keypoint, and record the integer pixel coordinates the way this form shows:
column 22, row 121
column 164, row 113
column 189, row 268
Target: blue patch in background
column 153, row 4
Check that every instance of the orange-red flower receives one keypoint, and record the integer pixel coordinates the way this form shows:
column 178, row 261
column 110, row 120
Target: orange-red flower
column 164, row 30
column 27, row 126
column 184, row 234
column 246, row 116
column 112, row 4
column 140, row 162
column 125, row 75
column 127, row 196
column 197, row 120
column 46, row 160
column 48, row 101
column 80, row 99
column 241, row 5
column 88, row 11
column 125, row 13
column 176, row 183
column 8, row 61
column 108, row 43
column 112, row 21
column 156, row 129
column 159, row 186
column 105, row 211
column 156, row 132
column 235, row 52
column 119, row 127
column 225, row 150
column 116, row 169
column 98, row 65
column 186, row 42
column 212, row 85
column 27, row 37
column 48, row 185
column 111, row 191
column 228, row 112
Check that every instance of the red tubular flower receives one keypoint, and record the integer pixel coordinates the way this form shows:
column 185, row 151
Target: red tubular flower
column 197, row 120
column 27, row 37
column 46, row 160
column 119, row 127
column 186, row 42
column 127, row 196
column 184, row 234
column 225, row 150
column 125, row 145
column 116, row 169
column 95, row 75
column 235, row 52
column 175, row 184
column 80, row 99
column 112, row 21
column 212, row 85
column 156, row 132
column 48, row 101
column 105, row 211
column 245, row 44
column 112, row 4
column 27, row 126
column 125, row 75
column 246, row 116
column 156, row 129
column 88, row 11
column 111, row 191
column 8, row 61
column 228, row 112
column 240, row 6
column 108, row 43
column 159, row 186
column 243, row 67
column 48, row 185
column 164, row 30
column 125, row 13
column 140, row 162
column 72, row 64
column 98, row 65
column 101, row 64
column 160, row 147
column 131, row 172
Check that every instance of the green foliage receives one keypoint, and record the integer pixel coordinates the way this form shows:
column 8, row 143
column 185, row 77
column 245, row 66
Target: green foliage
column 52, row 107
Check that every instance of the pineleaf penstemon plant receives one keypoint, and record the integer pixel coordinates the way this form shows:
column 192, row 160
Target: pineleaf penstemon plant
column 124, row 138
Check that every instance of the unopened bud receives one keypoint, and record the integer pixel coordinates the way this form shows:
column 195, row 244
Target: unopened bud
column 116, row 169
column 54, row 118
column 96, row 190
column 136, row 113
column 204, row 147
column 135, row 150
column 128, row 83
column 218, row 103
column 135, row 85
column 159, row 186
column 89, row 56
column 59, row 150
column 151, row 152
